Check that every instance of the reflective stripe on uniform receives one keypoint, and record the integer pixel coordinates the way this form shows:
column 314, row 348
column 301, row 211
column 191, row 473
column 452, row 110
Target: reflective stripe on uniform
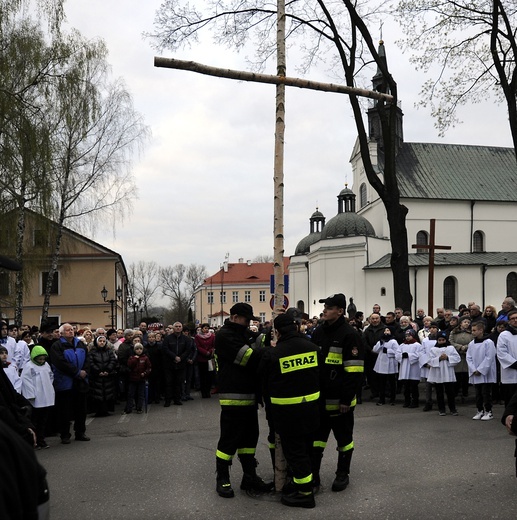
column 236, row 399
column 223, row 456
column 354, row 365
column 304, row 480
column 295, row 400
column 348, row 447
column 298, row 362
column 334, row 358
column 331, row 405
column 319, row 444
column 246, row 451
column 243, row 355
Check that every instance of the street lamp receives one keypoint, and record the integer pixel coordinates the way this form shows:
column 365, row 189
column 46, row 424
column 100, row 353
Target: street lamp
column 104, row 294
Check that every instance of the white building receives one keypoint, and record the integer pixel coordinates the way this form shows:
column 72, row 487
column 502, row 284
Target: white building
column 471, row 192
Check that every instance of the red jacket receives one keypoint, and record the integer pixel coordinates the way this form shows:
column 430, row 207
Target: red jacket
column 205, row 347
column 139, row 368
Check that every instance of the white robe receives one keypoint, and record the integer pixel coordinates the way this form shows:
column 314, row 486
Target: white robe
column 442, row 371
column 386, row 363
column 37, row 384
column 22, row 354
column 507, row 355
column 12, row 373
column 425, row 350
column 481, row 358
column 409, row 368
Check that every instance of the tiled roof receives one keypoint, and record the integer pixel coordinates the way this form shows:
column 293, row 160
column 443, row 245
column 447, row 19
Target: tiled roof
column 242, row 273
column 457, row 172
column 444, row 259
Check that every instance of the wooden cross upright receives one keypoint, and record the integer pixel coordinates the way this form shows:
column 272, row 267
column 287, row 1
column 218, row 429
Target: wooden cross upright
column 431, row 249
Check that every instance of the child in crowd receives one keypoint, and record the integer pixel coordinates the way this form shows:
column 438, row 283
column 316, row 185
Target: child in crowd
column 425, row 349
column 386, row 366
column 442, row 359
column 139, row 370
column 37, row 387
column 408, row 355
column 482, row 370
column 10, row 369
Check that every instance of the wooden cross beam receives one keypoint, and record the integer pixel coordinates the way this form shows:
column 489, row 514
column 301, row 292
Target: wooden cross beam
column 431, row 249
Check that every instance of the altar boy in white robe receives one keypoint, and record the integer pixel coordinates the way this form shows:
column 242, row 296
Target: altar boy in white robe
column 442, row 359
column 482, row 370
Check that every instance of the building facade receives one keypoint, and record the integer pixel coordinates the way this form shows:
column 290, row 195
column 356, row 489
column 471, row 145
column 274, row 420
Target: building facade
column 247, row 282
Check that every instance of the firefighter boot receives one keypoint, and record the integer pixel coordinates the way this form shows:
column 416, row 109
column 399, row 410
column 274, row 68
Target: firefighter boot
column 250, row 480
column 300, row 496
column 224, row 487
column 343, row 469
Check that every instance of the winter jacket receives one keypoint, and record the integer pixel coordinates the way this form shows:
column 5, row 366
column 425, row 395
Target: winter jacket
column 68, row 359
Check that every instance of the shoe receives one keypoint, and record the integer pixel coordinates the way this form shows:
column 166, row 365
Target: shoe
column 380, row 404
column 166, row 404
column 298, row 499
column 340, row 482
column 487, row 416
column 405, row 405
column 479, row 415
column 224, row 488
column 81, row 437
column 65, row 440
column 125, row 412
column 442, row 413
column 454, row 412
column 184, row 398
column 139, row 411
column 255, row 483
column 190, row 398
column 428, row 407
column 392, row 403
column 178, row 403
column 42, row 445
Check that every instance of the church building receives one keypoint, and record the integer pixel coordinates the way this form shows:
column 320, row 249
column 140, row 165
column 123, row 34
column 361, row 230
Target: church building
column 470, row 191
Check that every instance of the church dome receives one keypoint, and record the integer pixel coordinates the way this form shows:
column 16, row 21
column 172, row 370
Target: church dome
column 347, row 224
column 305, row 243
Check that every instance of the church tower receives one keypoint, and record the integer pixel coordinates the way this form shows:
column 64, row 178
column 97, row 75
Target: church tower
column 379, row 84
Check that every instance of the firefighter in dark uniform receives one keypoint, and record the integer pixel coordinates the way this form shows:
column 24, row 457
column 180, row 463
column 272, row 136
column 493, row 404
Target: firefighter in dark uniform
column 291, row 384
column 238, row 383
column 341, row 361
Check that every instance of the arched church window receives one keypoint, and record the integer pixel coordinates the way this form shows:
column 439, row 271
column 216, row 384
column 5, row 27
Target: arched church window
column 511, row 285
column 300, row 306
column 362, row 195
column 449, row 292
column 422, row 239
column 478, row 242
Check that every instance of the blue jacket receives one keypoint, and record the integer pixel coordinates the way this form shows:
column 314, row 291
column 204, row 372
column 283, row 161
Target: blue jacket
column 68, row 360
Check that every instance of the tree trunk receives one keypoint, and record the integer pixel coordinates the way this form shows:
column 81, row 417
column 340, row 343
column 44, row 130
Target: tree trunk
column 19, row 285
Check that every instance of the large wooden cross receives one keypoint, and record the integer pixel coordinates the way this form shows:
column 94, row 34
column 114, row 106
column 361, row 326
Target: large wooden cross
column 431, row 247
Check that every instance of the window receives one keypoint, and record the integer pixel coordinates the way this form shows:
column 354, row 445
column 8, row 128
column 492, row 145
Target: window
column 300, row 305
column 210, row 295
column 262, row 296
column 511, row 285
column 478, row 242
column 40, row 238
column 262, row 316
column 55, row 282
column 449, row 292
column 222, row 297
column 383, row 291
column 4, row 284
column 422, row 239
column 362, row 196
column 247, row 296
column 235, row 296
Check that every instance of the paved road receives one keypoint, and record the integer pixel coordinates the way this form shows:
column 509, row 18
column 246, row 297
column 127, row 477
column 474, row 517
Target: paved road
column 407, row 465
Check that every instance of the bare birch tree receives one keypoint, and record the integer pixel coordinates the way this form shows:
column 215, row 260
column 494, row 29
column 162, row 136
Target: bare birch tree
column 143, row 278
column 333, row 32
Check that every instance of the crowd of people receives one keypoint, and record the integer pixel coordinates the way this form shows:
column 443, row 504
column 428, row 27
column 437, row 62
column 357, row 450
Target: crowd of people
column 310, row 382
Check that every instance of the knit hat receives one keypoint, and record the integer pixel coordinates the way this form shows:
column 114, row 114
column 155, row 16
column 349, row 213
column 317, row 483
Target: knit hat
column 38, row 350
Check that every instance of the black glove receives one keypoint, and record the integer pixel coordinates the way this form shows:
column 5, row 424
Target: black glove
column 384, row 350
column 405, row 355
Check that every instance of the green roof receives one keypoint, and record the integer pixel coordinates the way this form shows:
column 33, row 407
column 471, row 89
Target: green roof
column 450, row 259
column 457, row 172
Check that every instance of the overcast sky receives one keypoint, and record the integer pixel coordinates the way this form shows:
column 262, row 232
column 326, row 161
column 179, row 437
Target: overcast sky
column 205, row 180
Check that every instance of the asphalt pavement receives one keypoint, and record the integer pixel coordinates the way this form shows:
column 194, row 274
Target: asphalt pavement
column 407, row 464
